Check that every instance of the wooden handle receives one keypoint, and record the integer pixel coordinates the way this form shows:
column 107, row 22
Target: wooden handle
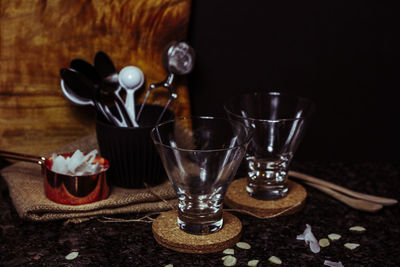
column 381, row 200
column 358, row 204
column 22, row 157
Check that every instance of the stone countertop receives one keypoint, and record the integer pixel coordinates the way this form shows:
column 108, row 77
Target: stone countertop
column 24, row 243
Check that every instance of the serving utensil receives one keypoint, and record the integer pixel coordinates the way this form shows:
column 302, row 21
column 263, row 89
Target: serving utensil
column 377, row 199
column 355, row 203
column 130, row 78
column 178, row 59
column 105, row 67
column 77, row 88
column 356, row 200
column 86, row 69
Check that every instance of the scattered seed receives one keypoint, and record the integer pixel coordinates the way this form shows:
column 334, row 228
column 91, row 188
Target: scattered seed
column 351, row 246
column 253, row 263
column 334, row 237
column 169, row 265
column 324, row 242
column 333, row 263
column 275, row 260
column 72, row 255
column 230, row 261
column 357, row 229
column 37, row 257
column 229, row 251
column 224, row 257
column 243, row 245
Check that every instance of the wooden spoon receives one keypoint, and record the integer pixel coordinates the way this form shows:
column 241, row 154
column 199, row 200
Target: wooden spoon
column 358, row 204
column 310, row 179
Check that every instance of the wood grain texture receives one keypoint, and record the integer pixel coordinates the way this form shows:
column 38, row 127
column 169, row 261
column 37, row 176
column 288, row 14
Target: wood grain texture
column 39, row 37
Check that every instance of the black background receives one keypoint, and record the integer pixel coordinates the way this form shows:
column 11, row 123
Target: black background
column 341, row 54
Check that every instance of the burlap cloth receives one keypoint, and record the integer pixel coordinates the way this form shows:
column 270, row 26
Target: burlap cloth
column 26, row 189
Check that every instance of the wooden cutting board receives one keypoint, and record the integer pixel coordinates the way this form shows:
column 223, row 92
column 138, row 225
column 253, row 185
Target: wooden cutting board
column 38, row 38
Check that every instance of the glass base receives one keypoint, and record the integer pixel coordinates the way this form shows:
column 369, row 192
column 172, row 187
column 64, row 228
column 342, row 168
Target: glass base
column 200, row 228
column 271, row 192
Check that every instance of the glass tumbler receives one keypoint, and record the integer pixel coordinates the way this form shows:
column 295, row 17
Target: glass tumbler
column 201, row 156
column 278, row 121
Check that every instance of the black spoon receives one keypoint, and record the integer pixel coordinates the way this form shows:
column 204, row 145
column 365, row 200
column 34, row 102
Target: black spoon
column 79, row 83
column 105, row 67
column 80, row 86
column 86, row 69
column 84, row 88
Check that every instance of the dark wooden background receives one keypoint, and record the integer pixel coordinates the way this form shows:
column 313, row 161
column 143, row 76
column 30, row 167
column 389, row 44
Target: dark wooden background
column 38, row 38
column 341, row 54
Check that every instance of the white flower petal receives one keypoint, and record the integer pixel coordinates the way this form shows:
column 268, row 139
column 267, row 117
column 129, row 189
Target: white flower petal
column 310, row 239
column 333, row 263
column 314, row 246
column 78, row 164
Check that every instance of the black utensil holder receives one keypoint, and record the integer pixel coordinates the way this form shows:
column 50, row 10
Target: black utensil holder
column 134, row 160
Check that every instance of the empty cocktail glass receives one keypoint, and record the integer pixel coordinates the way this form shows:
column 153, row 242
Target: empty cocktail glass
column 201, row 156
column 278, row 121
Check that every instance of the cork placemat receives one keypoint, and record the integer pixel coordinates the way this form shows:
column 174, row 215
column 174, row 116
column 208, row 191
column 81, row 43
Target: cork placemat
column 237, row 198
column 167, row 233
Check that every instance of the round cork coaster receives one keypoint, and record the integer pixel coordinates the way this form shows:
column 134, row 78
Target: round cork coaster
column 237, row 198
column 167, row 233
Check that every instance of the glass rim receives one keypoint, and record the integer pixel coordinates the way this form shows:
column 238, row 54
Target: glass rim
column 302, row 118
column 155, row 128
column 271, row 93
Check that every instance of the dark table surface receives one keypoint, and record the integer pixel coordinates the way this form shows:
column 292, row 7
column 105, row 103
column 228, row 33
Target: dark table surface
column 24, row 243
